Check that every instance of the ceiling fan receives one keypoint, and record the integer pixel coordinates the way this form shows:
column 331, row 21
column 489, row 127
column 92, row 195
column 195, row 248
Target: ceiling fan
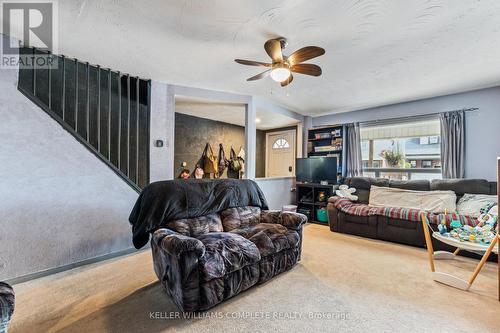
column 282, row 66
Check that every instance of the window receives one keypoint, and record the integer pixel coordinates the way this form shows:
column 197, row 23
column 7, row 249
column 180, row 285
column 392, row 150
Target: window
column 281, row 144
column 402, row 150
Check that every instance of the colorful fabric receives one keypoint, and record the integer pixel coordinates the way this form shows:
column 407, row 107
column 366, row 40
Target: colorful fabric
column 415, row 215
column 476, row 204
column 347, row 206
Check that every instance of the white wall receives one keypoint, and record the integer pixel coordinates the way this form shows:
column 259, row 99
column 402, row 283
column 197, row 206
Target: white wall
column 482, row 127
column 58, row 203
column 161, row 159
column 278, row 191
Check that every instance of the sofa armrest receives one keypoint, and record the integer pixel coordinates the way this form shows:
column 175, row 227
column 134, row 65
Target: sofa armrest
column 290, row 220
column 333, row 219
column 7, row 298
column 176, row 244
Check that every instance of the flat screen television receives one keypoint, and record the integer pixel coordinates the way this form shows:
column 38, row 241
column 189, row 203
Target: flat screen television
column 316, row 169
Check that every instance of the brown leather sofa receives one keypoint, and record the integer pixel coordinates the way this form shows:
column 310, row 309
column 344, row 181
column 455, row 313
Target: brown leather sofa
column 397, row 230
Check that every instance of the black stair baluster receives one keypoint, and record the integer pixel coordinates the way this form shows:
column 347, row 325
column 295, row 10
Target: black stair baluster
column 128, row 126
column 49, row 66
column 98, row 108
column 137, row 131
column 76, row 96
column 34, row 72
column 87, row 98
column 119, row 121
column 109, row 114
column 55, row 95
column 63, row 105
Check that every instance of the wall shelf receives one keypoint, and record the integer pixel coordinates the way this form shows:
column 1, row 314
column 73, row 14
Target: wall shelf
column 328, row 136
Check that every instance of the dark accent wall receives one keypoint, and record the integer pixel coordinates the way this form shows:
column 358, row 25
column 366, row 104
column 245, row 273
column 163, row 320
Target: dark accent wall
column 105, row 110
column 192, row 134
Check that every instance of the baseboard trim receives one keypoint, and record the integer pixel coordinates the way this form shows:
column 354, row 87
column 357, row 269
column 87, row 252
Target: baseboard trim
column 50, row 271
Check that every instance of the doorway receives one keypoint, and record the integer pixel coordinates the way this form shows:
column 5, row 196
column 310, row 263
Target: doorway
column 281, row 153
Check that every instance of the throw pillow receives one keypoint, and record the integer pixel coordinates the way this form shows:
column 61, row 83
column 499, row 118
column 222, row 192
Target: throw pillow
column 472, row 204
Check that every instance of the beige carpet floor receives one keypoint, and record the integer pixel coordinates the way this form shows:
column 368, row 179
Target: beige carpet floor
column 342, row 284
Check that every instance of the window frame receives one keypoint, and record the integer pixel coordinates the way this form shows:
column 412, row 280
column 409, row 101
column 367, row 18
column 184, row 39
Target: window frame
column 378, row 170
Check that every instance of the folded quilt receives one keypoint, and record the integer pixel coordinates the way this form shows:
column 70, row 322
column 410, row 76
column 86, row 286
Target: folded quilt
column 359, row 209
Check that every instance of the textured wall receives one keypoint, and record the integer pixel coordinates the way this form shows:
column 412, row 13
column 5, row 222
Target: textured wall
column 483, row 135
column 192, row 133
column 162, row 128
column 59, row 203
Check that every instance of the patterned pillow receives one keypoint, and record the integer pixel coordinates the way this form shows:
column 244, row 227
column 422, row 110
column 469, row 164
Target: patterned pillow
column 475, row 204
column 196, row 226
column 240, row 217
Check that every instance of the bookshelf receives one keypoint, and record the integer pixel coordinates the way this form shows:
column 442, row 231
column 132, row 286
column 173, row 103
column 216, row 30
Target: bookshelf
column 328, row 141
column 311, row 198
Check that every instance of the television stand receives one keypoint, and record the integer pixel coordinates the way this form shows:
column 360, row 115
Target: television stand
column 312, row 199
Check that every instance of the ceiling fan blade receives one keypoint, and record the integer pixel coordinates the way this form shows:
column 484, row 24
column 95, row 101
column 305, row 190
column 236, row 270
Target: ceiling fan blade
column 287, row 81
column 304, row 54
column 273, row 48
column 260, row 76
column 252, row 63
column 307, row 69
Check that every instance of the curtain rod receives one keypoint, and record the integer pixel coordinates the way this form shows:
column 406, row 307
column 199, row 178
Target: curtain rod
column 422, row 116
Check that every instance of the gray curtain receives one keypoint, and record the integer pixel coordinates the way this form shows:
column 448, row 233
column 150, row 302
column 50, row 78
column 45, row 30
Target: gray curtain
column 353, row 153
column 453, row 144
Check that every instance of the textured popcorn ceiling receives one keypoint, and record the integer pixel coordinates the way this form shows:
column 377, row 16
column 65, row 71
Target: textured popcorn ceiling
column 377, row 52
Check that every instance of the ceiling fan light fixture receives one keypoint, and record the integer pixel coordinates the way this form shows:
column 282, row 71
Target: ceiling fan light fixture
column 282, row 67
column 280, row 74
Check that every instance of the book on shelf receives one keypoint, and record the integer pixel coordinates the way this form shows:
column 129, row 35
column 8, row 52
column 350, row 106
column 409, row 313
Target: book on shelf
column 320, row 149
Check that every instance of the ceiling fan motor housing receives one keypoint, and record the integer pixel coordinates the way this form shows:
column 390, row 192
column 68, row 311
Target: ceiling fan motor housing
column 283, row 42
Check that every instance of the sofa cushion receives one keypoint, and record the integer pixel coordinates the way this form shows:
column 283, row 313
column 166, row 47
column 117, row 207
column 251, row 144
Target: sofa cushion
column 269, row 238
column 196, row 226
column 461, row 186
column 357, row 213
column 415, row 185
column 493, row 188
column 431, row 201
column 363, row 185
column 225, row 252
column 240, row 217
column 347, row 206
column 476, row 204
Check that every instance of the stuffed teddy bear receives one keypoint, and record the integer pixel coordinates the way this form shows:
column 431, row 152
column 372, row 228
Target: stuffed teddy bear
column 345, row 192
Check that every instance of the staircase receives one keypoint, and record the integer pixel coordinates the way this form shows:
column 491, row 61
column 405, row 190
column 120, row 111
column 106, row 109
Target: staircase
column 107, row 111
